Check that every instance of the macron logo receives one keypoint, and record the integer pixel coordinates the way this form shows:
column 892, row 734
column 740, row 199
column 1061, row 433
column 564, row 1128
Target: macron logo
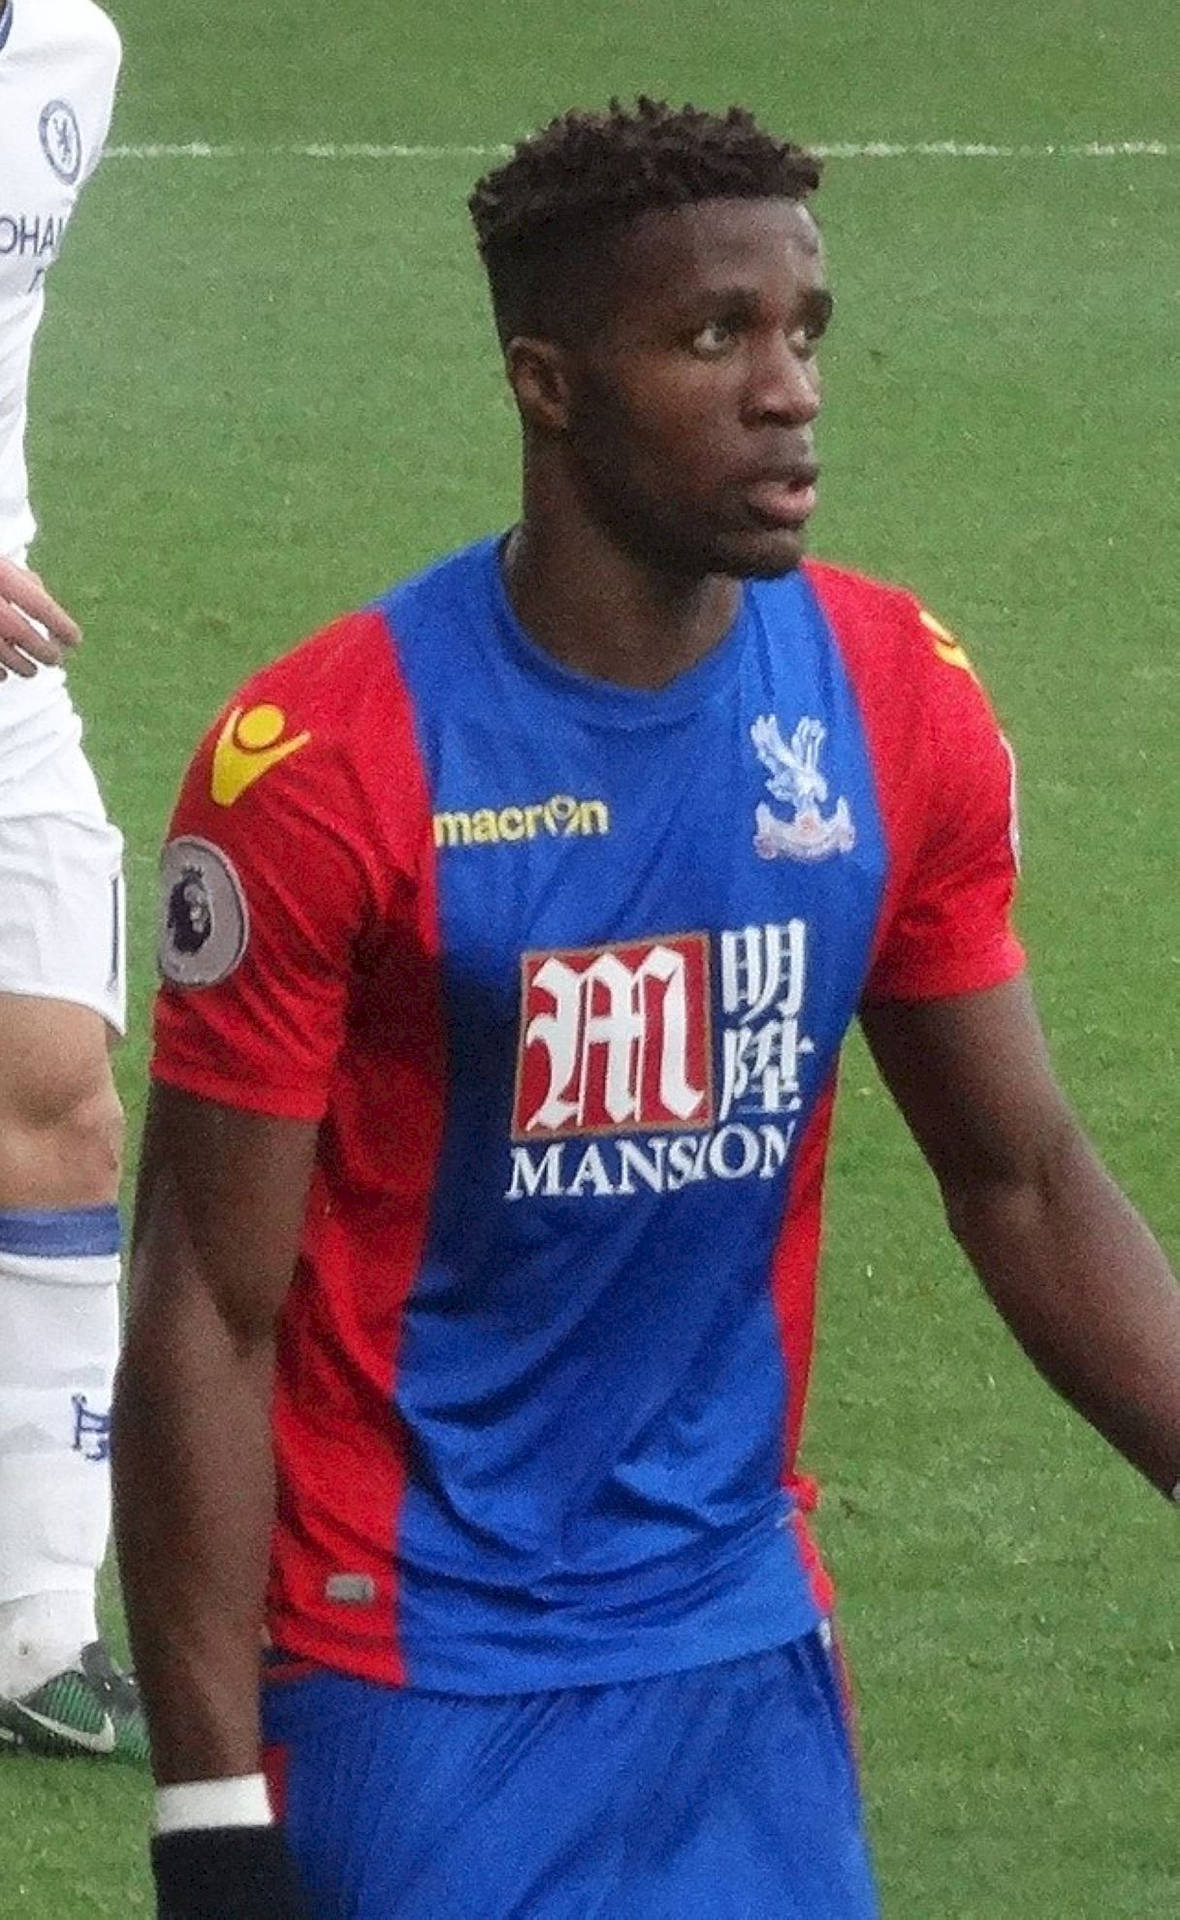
column 562, row 817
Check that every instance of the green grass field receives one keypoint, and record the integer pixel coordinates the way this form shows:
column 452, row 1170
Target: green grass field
column 267, row 387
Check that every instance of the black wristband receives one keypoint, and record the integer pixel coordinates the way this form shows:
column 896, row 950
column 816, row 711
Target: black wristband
column 226, row 1873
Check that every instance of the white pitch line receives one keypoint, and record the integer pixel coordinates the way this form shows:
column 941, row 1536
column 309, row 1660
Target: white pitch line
column 353, row 150
column 841, row 150
column 979, row 150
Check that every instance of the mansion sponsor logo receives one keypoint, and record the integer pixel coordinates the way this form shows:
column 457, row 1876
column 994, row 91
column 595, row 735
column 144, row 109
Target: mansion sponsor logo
column 618, row 1041
column 615, row 1037
column 659, row 1164
column 561, row 817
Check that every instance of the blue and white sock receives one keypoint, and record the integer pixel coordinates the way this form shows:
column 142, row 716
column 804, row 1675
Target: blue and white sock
column 59, row 1340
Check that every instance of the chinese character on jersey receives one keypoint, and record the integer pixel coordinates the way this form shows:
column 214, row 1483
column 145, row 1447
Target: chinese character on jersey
column 763, row 974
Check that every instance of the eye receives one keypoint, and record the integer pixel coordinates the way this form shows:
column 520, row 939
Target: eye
column 714, row 340
column 816, row 325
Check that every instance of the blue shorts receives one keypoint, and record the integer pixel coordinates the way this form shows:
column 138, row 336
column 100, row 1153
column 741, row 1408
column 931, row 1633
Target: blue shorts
column 725, row 1793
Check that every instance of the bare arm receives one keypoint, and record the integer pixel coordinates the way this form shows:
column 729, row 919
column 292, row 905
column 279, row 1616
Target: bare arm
column 1064, row 1256
column 218, row 1218
column 23, row 645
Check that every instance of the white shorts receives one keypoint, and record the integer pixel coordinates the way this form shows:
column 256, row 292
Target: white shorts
column 62, row 910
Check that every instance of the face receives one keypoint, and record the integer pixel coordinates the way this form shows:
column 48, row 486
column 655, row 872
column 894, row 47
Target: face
column 691, row 411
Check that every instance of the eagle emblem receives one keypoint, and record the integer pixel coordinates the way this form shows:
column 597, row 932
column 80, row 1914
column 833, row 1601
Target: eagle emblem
column 796, row 782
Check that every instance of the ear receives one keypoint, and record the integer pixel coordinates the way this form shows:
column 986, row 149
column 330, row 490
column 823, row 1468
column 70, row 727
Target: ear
column 539, row 375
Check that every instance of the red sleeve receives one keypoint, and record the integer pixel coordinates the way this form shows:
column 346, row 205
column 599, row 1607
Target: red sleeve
column 946, row 784
column 292, row 845
column 951, row 929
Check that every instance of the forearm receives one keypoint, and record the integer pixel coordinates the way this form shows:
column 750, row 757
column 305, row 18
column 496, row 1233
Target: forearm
column 1089, row 1294
column 193, row 1509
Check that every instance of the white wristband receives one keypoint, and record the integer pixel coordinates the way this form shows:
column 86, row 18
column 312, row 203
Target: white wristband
column 243, row 1802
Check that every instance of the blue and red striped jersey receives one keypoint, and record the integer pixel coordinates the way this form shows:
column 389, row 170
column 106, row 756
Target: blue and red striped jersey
column 562, row 971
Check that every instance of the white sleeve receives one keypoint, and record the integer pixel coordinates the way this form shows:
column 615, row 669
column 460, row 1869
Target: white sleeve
column 103, row 98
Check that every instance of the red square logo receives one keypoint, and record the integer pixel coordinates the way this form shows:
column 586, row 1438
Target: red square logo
column 615, row 1039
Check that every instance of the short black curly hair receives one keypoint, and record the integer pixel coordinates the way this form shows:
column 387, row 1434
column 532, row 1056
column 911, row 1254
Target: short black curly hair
column 545, row 218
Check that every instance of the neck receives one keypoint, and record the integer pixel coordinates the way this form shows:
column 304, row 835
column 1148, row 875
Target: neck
column 603, row 613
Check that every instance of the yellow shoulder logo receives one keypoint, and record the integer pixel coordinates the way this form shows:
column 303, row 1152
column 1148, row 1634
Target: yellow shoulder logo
column 946, row 646
column 249, row 745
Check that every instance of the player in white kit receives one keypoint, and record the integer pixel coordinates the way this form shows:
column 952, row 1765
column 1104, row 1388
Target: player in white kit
column 61, row 982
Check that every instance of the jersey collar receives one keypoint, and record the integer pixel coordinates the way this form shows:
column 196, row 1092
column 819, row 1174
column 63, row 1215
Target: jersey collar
column 5, row 21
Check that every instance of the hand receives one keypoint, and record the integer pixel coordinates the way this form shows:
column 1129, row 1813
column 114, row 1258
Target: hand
column 226, row 1873
column 34, row 630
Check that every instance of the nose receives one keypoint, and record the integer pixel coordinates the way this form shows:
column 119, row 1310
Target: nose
column 784, row 383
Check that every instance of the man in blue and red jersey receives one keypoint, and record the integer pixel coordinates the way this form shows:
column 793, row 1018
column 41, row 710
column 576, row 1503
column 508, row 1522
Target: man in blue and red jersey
column 510, row 932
